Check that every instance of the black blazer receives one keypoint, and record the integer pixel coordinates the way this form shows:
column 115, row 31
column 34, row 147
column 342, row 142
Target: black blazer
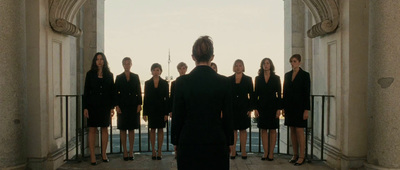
column 296, row 93
column 97, row 94
column 268, row 95
column 245, row 94
column 155, row 103
column 128, row 93
column 199, row 99
column 171, row 96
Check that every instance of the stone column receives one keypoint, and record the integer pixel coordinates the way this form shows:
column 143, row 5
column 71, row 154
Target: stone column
column 12, row 84
column 294, row 30
column 93, row 41
column 384, row 85
column 93, row 31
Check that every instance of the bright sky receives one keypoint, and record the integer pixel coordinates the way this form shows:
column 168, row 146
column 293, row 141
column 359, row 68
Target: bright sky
column 147, row 30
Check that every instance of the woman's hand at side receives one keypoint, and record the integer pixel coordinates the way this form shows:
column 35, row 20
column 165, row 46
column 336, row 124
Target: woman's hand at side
column 256, row 113
column 305, row 115
column 86, row 113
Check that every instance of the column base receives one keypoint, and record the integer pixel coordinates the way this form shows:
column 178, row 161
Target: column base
column 18, row 167
column 375, row 167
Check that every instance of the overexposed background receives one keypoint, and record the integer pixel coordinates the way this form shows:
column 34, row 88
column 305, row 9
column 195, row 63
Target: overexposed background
column 147, row 30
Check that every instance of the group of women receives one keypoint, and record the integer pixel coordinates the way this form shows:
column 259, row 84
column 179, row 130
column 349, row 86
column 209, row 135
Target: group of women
column 207, row 109
column 267, row 103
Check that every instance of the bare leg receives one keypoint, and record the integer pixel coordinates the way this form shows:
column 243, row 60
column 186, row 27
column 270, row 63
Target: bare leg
column 160, row 133
column 104, row 139
column 264, row 138
column 243, row 138
column 272, row 133
column 92, row 136
column 302, row 142
column 153, row 140
column 131, row 142
column 293, row 135
column 122, row 134
column 233, row 148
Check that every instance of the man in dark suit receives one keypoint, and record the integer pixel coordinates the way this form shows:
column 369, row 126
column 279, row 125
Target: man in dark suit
column 202, row 136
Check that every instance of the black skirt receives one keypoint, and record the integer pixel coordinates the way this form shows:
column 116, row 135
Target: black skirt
column 267, row 119
column 156, row 121
column 294, row 118
column 128, row 119
column 99, row 117
column 241, row 121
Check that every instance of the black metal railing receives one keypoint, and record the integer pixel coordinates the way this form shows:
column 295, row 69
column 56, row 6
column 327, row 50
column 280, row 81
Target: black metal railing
column 311, row 128
column 77, row 129
column 82, row 129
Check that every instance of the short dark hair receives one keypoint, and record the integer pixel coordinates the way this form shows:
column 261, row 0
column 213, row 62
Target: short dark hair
column 126, row 59
column 296, row 56
column 155, row 65
column 203, row 49
column 181, row 64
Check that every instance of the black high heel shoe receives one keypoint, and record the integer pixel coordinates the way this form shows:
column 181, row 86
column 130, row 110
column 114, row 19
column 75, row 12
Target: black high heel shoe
column 263, row 158
column 93, row 163
column 301, row 163
column 105, row 160
column 294, row 159
column 125, row 158
column 131, row 157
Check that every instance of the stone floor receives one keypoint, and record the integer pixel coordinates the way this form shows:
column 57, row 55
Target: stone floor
column 144, row 161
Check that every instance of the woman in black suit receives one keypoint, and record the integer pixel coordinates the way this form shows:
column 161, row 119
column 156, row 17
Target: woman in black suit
column 267, row 98
column 202, row 136
column 155, row 107
column 129, row 105
column 182, row 68
column 242, row 86
column 98, row 103
column 296, row 104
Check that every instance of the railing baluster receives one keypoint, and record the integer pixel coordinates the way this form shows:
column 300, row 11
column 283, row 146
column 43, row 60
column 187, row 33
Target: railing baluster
column 140, row 134
column 83, row 136
column 312, row 127
column 167, row 134
column 76, row 127
column 249, row 138
column 279, row 139
column 323, row 128
column 66, row 127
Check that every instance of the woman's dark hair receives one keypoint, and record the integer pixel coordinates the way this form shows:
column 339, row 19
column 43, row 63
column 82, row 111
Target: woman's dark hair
column 203, row 49
column 238, row 61
column 296, row 56
column 106, row 69
column 271, row 67
column 213, row 64
column 156, row 65
column 126, row 59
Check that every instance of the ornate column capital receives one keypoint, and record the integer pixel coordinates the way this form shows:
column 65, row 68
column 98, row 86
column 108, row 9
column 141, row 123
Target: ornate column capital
column 326, row 14
column 62, row 13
